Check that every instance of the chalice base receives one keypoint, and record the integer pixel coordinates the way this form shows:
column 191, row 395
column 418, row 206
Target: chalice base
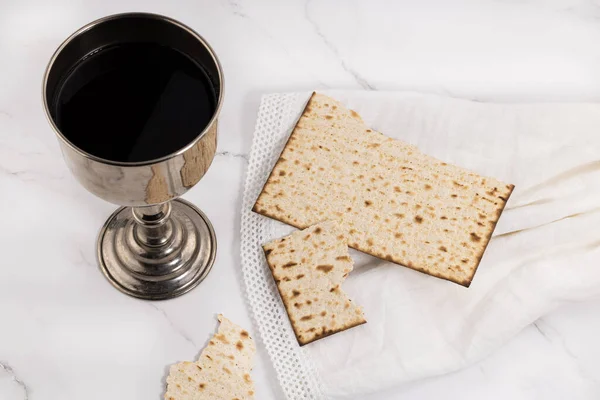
column 158, row 252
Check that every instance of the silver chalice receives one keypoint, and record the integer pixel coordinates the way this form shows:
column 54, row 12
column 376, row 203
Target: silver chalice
column 156, row 246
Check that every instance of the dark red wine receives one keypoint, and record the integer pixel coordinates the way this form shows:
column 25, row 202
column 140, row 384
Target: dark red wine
column 134, row 102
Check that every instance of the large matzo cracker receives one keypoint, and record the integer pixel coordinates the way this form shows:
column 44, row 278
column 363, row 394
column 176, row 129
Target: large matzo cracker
column 391, row 200
column 309, row 267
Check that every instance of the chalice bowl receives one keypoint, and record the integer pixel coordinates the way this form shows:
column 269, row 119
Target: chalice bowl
column 134, row 99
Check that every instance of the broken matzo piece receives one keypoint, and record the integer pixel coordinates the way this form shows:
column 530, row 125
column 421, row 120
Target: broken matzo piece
column 222, row 370
column 309, row 267
column 391, row 200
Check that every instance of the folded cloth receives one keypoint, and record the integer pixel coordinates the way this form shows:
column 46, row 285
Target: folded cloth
column 545, row 250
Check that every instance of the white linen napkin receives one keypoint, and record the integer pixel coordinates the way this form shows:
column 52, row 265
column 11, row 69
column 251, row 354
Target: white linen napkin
column 545, row 250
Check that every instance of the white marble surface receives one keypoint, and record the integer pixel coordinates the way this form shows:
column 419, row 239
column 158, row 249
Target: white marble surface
column 66, row 334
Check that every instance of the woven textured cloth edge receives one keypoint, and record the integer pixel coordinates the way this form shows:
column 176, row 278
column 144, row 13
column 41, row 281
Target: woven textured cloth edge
column 293, row 365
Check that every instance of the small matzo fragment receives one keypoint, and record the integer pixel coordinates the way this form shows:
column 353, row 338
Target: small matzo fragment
column 309, row 268
column 222, row 370
column 391, row 200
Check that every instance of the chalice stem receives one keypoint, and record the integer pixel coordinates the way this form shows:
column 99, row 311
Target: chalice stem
column 154, row 226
